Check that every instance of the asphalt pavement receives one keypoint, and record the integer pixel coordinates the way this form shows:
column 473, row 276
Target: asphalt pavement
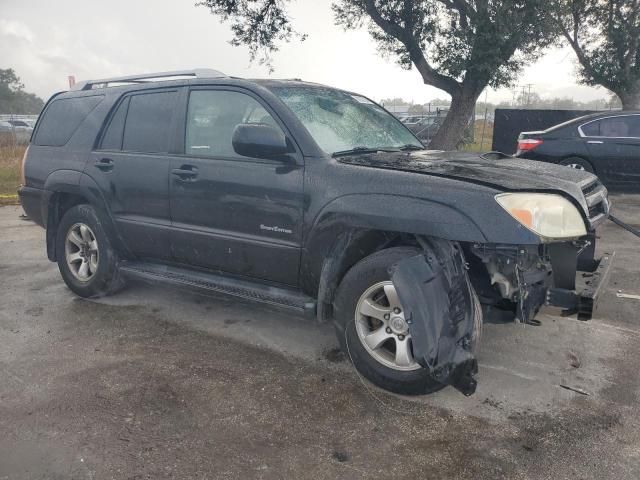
column 158, row 382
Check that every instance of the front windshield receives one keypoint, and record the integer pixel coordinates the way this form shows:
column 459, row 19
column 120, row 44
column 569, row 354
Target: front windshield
column 339, row 121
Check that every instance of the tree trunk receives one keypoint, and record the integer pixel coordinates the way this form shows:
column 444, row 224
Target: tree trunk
column 450, row 135
column 630, row 100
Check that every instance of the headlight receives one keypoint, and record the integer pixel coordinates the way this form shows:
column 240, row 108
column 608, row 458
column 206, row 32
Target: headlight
column 550, row 216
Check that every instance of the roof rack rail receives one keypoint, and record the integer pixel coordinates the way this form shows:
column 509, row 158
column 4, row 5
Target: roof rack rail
column 146, row 77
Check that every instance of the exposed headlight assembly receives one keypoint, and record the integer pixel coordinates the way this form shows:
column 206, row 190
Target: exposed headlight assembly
column 550, row 216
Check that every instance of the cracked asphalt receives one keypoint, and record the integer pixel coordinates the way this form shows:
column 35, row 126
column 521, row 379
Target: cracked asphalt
column 158, row 382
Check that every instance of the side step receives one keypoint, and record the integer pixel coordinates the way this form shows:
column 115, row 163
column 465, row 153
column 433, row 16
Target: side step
column 220, row 283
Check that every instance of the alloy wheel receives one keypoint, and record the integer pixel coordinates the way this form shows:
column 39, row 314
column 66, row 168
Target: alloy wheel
column 382, row 328
column 81, row 252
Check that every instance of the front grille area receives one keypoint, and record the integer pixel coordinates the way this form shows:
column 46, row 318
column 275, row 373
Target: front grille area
column 597, row 209
column 595, row 194
column 592, row 187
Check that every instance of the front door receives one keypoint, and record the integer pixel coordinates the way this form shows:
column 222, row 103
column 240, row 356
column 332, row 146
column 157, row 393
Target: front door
column 229, row 212
column 131, row 167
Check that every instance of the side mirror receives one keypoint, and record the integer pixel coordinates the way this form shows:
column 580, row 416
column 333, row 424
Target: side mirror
column 259, row 141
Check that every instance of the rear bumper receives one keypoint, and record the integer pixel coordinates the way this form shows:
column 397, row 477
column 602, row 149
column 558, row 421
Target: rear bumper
column 584, row 299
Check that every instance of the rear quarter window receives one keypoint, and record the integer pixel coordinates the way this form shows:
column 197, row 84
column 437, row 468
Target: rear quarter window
column 62, row 118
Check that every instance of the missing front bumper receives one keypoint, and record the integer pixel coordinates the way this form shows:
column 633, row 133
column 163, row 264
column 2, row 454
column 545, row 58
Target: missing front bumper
column 583, row 300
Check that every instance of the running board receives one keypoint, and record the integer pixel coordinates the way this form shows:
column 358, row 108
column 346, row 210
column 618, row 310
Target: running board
column 220, row 283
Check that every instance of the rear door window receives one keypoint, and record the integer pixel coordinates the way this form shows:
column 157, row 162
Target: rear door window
column 62, row 118
column 149, row 120
column 112, row 139
column 627, row 126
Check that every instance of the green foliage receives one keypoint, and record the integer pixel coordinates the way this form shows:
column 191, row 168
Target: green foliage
column 459, row 46
column 13, row 98
column 484, row 42
column 605, row 34
column 258, row 24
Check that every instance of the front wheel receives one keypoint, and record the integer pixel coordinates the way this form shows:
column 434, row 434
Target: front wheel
column 371, row 327
column 86, row 259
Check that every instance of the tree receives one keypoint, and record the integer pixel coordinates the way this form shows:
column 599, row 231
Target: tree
column 416, row 109
column 13, row 98
column 440, row 101
column 605, row 35
column 459, row 46
column 395, row 101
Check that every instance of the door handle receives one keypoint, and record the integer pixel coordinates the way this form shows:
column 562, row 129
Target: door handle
column 185, row 172
column 595, row 142
column 104, row 164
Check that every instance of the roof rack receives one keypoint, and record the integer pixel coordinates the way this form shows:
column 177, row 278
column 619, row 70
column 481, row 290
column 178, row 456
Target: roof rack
column 147, row 77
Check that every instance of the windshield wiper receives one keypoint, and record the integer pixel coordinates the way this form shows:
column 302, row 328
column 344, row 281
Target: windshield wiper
column 355, row 151
column 361, row 150
column 409, row 147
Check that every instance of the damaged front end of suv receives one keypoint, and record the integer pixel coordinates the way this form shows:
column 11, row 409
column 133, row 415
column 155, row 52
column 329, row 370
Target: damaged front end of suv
column 559, row 270
column 530, row 276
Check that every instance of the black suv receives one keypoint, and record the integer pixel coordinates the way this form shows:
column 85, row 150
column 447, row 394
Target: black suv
column 607, row 144
column 311, row 198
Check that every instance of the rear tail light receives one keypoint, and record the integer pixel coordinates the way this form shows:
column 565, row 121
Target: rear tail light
column 23, row 180
column 526, row 144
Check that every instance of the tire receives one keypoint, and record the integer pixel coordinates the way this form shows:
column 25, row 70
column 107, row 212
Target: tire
column 578, row 163
column 86, row 258
column 359, row 280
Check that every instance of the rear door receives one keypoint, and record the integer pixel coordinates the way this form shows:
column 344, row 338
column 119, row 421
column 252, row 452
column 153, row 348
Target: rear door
column 131, row 166
column 233, row 213
column 614, row 147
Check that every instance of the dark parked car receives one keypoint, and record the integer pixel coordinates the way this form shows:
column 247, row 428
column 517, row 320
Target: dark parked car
column 19, row 123
column 314, row 199
column 607, row 144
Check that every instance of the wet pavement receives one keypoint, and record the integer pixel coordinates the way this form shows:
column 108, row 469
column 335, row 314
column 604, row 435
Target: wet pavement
column 157, row 382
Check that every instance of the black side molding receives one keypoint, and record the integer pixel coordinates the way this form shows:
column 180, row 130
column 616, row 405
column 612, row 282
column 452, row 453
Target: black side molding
column 221, row 283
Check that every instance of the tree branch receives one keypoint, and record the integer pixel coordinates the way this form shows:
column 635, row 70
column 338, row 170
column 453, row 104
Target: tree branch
column 429, row 75
column 572, row 36
column 463, row 8
column 630, row 57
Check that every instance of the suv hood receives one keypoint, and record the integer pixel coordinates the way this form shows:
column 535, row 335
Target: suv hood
column 493, row 170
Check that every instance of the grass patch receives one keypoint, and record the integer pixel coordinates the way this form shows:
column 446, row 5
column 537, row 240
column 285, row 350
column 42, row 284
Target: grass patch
column 10, row 158
column 478, row 144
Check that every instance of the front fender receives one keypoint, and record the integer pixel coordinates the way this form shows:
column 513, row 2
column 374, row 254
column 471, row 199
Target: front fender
column 384, row 213
column 399, row 214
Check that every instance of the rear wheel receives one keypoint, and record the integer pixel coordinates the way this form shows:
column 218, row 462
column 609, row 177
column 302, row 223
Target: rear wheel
column 578, row 163
column 86, row 259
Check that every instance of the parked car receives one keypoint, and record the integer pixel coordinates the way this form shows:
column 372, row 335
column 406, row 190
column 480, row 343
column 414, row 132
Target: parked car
column 314, row 199
column 15, row 131
column 425, row 127
column 19, row 124
column 607, row 144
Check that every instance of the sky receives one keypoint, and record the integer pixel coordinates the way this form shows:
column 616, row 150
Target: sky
column 44, row 41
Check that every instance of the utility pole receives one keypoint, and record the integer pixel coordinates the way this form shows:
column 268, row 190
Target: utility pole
column 527, row 87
